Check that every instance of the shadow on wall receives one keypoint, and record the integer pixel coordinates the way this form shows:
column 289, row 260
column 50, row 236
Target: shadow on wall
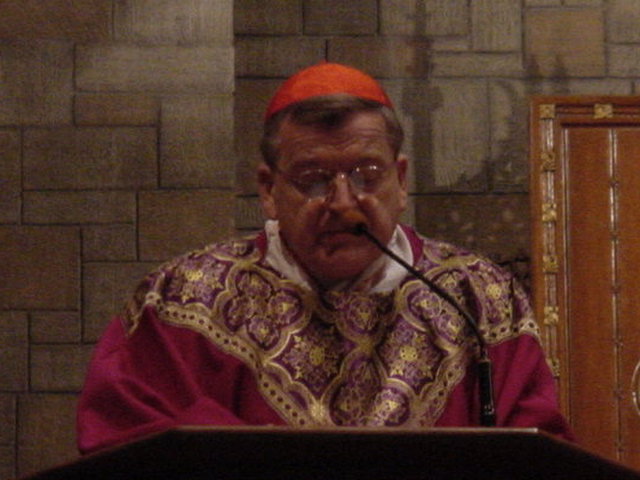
column 487, row 211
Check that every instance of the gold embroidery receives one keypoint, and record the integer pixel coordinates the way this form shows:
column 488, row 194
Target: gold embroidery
column 193, row 275
column 352, row 359
column 494, row 291
column 408, row 353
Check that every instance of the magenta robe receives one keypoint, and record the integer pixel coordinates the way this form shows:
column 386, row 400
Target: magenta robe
column 217, row 337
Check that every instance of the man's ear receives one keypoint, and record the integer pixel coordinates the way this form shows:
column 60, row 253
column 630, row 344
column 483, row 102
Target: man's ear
column 402, row 167
column 265, row 190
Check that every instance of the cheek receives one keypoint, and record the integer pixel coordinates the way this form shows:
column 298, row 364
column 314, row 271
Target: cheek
column 285, row 202
column 297, row 216
column 394, row 200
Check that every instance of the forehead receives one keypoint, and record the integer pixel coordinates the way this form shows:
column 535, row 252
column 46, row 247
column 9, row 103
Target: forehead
column 362, row 134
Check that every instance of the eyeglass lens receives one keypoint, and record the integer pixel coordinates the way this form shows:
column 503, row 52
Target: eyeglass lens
column 319, row 183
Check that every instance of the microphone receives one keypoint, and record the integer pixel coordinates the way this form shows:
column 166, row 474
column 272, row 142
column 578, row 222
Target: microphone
column 358, row 225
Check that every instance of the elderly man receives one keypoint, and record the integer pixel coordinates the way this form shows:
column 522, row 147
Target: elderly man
column 307, row 323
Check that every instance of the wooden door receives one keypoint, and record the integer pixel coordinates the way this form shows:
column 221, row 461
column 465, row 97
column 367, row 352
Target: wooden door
column 585, row 196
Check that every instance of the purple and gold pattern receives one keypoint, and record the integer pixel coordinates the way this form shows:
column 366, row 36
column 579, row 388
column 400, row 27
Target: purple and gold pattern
column 340, row 358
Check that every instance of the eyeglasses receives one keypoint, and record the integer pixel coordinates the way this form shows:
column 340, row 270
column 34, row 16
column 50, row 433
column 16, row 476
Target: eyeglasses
column 318, row 182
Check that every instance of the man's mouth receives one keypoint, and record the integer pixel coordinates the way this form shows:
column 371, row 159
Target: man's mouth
column 338, row 238
column 347, row 233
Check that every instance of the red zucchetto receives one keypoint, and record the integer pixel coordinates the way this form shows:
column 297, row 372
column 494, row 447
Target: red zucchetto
column 325, row 79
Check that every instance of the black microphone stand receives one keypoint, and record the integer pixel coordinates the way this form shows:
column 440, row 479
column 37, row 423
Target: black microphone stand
column 485, row 381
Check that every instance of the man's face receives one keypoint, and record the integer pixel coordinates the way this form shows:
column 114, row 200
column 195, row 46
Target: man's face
column 313, row 226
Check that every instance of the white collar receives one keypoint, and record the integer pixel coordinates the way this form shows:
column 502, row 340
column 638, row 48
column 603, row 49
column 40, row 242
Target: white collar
column 382, row 275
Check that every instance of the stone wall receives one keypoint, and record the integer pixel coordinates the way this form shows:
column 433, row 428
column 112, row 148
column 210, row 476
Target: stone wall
column 116, row 153
column 117, row 124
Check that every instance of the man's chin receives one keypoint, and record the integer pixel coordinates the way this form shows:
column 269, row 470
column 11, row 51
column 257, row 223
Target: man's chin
column 332, row 279
column 340, row 265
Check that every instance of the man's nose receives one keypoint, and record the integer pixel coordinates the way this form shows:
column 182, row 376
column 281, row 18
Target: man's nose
column 342, row 194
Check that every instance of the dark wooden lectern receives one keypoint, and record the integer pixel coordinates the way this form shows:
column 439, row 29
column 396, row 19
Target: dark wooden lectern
column 198, row 453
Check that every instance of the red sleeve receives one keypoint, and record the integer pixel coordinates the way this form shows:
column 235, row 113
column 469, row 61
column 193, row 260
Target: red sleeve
column 159, row 377
column 525, row 391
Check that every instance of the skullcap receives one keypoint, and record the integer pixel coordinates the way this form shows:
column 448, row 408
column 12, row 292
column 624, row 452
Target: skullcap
column 325, row 79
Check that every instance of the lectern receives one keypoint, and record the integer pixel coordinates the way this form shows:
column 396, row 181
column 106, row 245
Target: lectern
column 199, row 453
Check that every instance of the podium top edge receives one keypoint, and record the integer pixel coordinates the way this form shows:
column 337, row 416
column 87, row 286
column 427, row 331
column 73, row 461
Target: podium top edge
column 337, row 431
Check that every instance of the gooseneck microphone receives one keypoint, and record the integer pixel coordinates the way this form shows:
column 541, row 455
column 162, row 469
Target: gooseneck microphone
column 358, row 226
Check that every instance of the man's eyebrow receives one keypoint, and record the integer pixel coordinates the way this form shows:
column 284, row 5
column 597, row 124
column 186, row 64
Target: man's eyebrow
column 309, row 164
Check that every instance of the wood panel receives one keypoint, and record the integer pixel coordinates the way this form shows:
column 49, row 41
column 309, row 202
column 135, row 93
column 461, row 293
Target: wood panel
column 585, row 196
column 628, row 145
column 589, row 272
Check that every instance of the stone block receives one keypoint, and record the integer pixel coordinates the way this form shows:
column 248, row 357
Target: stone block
column 107, row 287
column 405, row 57
column 496, row 25
column 624, row 60
column 196, row 145
column 267, row 17
column 248, row 213
column 54, row 327
column 109, row 243
column 465, row 64
column 408, row 217
column 605, row 86
column 39, row 268
column 565, row 42
column 60, row 207
column 451, row 44
column 337, row 17
column 90, row 158
column 10, row 176
column 577, row 86
column 144, row 69
column 7, row 419
column 459, row 139
column 36, row 87
column 509, row 136
column 59, row 368
column 494, row 225
column 46, row 431
column 588, row 86
column 116, row 109
column 424, row 17
column 14, row 352
column 79, row 21
column 180, row 22
column 251, row 100
column 276, row 56
column 173, row 222
column 414, row 101
column 7, row 461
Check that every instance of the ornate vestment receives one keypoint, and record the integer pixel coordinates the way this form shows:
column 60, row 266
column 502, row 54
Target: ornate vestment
column 220, row 337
